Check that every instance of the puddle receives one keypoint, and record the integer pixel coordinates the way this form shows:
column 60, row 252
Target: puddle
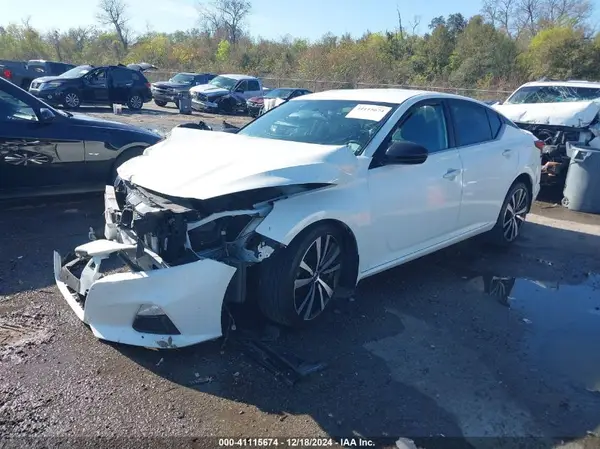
column 563, row 322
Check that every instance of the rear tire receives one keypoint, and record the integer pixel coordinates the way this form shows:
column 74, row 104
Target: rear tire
column 512, row 216
column 135, row 102
column 162, row 104
column 298, row 283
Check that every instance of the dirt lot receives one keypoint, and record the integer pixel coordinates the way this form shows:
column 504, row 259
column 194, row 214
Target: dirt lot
column 424, row 350
column 154, row 117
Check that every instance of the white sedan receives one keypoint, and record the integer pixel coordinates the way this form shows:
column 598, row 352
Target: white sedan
column 295, row 208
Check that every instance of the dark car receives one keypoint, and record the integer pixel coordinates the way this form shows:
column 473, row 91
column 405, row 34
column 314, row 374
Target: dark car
column 166, row 91
column 255, row 104
column 22, row 73
column 86, row 84
column 47, row 151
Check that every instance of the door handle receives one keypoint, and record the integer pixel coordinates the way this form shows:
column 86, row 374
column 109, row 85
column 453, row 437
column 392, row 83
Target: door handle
column 506, row 153
column 451, row 174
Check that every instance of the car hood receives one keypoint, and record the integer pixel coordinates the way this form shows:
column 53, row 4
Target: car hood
column 209, row 89
column 171, row 85
column 47, row 79
column 576, row 114
column 88, row 120
column 205, row 164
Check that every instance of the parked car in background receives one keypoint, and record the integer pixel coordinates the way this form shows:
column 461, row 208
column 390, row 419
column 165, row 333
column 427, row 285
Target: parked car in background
column 46, row 151
column 226, row 93
column 256, row 104
column 23, row 73
column 164, row 92
column 295, row 208
column 94, row 85
column 562, row 114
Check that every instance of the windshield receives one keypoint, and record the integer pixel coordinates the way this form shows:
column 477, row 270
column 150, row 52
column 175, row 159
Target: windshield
column 322, row 122
column 553, row 94
column 182, row 78
column 279, row 93
column 76, row 72
column 223, row 81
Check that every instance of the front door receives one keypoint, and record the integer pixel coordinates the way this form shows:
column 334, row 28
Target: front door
column 96, row 86
column 35, row 155
column 417, row 206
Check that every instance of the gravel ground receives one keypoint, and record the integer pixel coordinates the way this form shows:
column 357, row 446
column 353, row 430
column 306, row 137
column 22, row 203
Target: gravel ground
column 423, row 350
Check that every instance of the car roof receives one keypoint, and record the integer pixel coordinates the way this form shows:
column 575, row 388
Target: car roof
column 394, row 96
column 569, row 83
column 239, row 77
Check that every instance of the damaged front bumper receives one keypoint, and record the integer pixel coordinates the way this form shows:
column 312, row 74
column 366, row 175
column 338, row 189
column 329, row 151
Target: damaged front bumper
column 150, row 301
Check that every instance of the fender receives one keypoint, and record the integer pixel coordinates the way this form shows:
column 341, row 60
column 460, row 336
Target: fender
column 347, row 203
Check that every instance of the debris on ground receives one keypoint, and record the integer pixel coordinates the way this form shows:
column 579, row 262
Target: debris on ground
column 284, row 365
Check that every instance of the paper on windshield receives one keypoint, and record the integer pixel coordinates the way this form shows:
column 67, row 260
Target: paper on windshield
column 368, row 112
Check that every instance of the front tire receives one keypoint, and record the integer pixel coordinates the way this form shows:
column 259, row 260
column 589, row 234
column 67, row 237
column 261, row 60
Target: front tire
column 162, row 104
column 512, row 215
column 72, row 100
column 297, row 284
column 135, row 102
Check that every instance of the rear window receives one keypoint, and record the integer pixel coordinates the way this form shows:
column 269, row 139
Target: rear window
column 122, row 75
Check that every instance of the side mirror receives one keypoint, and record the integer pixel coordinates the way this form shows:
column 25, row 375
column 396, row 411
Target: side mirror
column 405, row 153
column 46, row 115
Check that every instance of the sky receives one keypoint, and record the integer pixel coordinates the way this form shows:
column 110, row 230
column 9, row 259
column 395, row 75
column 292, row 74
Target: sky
column 271, row 19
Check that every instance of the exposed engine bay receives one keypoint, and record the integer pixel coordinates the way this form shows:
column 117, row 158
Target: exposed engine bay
column 555, row 157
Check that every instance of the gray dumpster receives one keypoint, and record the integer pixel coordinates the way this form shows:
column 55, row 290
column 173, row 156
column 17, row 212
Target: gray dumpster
column 185, row 103
column 582, row 186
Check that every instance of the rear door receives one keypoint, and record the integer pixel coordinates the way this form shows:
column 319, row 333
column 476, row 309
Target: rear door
column 121, row 84
column 35, row 156
column 490, row 163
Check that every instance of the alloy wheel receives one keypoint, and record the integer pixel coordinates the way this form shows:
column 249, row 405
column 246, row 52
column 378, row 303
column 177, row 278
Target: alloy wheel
column 515, row 213
column 136, row 102
column 72, row 100
column 317, row 277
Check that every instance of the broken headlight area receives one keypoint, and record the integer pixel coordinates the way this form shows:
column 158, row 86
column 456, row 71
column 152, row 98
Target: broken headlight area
column 180, row 231
column 555, row 157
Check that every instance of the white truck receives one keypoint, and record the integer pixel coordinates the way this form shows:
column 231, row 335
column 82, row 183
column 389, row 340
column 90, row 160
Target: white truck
column 226, row 93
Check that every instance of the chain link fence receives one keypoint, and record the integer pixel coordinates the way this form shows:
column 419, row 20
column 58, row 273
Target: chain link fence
column 321, row 85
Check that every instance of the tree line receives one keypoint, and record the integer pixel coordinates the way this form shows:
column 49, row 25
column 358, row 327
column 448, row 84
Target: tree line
column 509, row 42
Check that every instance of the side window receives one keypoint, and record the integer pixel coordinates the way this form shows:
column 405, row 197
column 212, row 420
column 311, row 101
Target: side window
column 242, row 86
column 135, row 76
column 470, row 122
column 426, row 126
column 253, row 85
column 97, row 76
column 11, row 109
column 495, row 123
column 121, row 76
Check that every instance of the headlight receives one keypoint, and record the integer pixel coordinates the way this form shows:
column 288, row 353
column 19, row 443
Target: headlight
column 51, row 85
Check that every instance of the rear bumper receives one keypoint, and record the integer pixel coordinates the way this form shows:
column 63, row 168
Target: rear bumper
column 190, row 295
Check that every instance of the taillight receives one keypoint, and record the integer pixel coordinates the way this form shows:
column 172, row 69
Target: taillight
column 539, row 144
column 148, row 85
column 6, row 73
